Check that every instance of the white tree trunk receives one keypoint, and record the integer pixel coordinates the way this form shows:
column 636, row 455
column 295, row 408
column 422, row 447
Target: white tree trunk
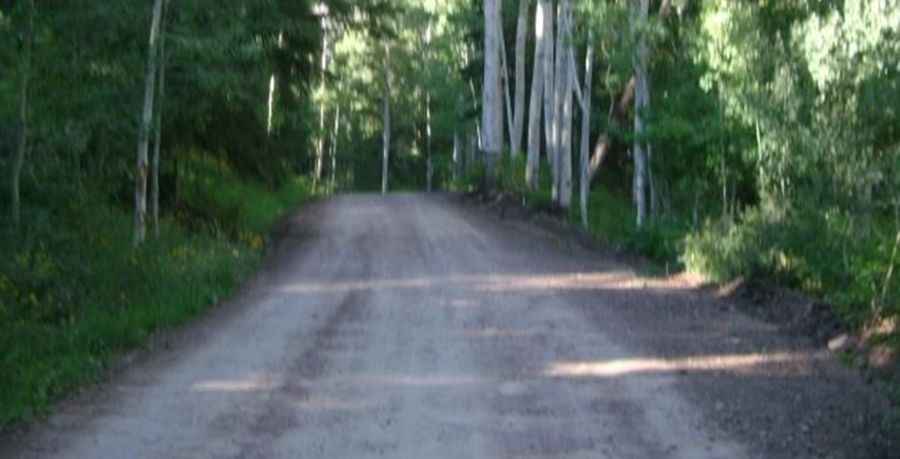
column 273, row 86
column 641, row 103
column 504, row 75
column 532, row 168
column 549, row 86
column 157, row 144
column 386, row 121
column 429, row 161
column 519, row 102
column 334, row 146
column 562, row 117
column 22, row 142
column 140, row 193
column 585, row 181
column 492, row 106
column 457, row 155
column 320, row 146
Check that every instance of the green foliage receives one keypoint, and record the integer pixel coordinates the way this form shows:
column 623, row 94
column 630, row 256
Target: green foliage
column 825, row 253
column 74, row 293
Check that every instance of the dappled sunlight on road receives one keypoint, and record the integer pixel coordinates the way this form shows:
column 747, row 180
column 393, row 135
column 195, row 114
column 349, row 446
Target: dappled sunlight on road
column 498, row 283
column 634, row 366
column 253, row 383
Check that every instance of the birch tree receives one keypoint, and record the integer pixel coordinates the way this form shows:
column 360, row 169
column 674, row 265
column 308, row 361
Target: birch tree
column 641, row 104
column 584, row 100
column 519, row 101
column 386, row 120
column 561, row 139
column 24, row 84
column 157, row 144
column 323, row 68
column 141, row 172
column 549, row 86
column 541, row 33
column 429, row 161
column 492, row 106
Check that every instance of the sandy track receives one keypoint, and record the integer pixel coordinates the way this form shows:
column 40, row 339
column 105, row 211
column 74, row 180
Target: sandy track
column 409, row 326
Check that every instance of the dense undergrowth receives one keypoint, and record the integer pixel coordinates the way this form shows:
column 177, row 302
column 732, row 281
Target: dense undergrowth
column 74, row 292
column 823, row 253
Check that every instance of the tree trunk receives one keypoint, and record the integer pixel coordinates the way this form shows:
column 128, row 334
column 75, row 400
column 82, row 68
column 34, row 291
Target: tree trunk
column 492, row 106
column 334, row 146
column 386, row 121
column 323, row 67
column 562, row 131
column 157, row 144
column 550, row 88
column 22, row 143
column 140, row 194
column 585, row 182
column 641, row 104
column 273, row 86
column 504, row 75
column 619, row 106
column 457, row 155
column 532, row 169
column 429, row 164
column 519, row 103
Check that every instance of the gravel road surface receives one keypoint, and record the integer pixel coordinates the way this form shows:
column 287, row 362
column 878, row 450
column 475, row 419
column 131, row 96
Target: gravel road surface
column 412, row 326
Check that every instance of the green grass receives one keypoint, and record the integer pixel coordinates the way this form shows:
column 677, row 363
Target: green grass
column 74, row 293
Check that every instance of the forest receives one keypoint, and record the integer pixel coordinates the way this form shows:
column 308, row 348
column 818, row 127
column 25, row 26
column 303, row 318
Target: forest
column 147, row 148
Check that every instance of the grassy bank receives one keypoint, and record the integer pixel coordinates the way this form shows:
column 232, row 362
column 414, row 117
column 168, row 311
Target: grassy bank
column 74, row 293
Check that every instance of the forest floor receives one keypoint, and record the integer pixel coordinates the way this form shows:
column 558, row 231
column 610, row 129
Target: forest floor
column 416, row 326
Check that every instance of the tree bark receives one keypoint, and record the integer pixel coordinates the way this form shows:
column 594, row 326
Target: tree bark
column 429, row 164
column 386, row 121
column 320, row 146
column 619, row 106
column 641, row 104
column 492, row 106
column 429, row 160
column 22, row 141
column 273, row 86
column 334, row 146
column 585, row 181
column 532, row 168
column 549, row 84
column 140, row 194
column 157, row 144
column 562, row 131
column 457, row 155
column 504, row 75
column 519, row 101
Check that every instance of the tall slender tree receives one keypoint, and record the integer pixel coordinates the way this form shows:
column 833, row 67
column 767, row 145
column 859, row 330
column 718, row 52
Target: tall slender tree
column 519, row 100
column 141, row 172
column 492, row 105
column 541, row 33
column 386, row 120
column 157, row 143
column 24, row 86
column 641, row 104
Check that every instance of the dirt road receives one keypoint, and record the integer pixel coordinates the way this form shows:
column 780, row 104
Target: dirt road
column 409, row 326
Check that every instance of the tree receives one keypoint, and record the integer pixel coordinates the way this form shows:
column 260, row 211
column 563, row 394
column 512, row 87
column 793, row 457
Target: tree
column 386, row 121
column 519, row 102
column 492, row 105
column 141, row 172
column 24, row 84
column 641, row 105
column 157, row 144
column 542, row 33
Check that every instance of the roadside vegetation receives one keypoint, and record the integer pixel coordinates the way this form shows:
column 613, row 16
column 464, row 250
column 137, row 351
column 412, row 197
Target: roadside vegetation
column 146, row 147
